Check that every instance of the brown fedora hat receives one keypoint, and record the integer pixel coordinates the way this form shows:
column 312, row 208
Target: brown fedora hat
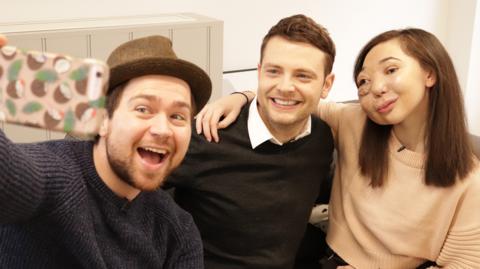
column 153, row 55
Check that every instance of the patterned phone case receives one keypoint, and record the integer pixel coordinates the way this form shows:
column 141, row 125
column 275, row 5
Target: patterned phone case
column 52, row 91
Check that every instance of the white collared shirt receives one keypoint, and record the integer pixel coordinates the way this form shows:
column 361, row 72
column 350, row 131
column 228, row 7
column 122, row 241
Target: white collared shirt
column 259, row 133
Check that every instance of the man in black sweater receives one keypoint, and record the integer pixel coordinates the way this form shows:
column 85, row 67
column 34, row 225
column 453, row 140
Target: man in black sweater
column 251, row 193
column 96, row 204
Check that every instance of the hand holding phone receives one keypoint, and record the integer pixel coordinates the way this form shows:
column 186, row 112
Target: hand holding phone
column 3, row 40
column 52, row 91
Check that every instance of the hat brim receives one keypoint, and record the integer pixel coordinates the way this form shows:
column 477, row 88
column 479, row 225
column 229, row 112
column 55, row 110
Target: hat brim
column 198, row 80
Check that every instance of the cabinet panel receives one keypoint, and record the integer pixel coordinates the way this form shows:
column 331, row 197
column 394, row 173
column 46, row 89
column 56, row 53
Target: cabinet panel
column 216, row 59
column 31, row 42
column 192, row 45
column 75, row 44
column 102, row 43
column 152, row 31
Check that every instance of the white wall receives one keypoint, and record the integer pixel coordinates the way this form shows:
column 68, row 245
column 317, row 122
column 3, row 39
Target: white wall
column 463, row 36
column 469, row 66
column 350, row 22
column 473, row 78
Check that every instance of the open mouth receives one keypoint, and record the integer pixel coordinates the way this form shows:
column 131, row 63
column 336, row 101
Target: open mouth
column 152, row 156
column 283, row 102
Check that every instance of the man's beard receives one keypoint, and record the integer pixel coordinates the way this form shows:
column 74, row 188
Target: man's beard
column 123, row 169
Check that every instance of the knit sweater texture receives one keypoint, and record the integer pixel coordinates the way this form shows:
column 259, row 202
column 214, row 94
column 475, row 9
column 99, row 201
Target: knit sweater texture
column 56, row 212
column 252, row 205
column 405, row 222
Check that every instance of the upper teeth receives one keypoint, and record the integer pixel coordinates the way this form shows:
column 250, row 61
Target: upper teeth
column 159, row 151
column 285, row 102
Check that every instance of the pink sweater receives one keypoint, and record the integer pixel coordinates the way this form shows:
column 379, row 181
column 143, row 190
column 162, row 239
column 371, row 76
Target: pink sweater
column 405, row 222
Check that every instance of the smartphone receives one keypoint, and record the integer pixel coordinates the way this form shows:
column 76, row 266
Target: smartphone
column 52, row 91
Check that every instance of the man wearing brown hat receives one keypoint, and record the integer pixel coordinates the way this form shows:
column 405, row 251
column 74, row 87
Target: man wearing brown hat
column 97, row 204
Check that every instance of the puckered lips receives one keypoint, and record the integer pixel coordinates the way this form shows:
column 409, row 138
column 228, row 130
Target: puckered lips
column 284, row 103
column 386, row 105
column 153, row 157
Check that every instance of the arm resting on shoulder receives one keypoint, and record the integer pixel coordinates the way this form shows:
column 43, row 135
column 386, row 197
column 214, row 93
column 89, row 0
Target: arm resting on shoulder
column 221, row 113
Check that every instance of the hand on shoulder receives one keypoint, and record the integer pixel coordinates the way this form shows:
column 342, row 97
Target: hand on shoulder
column 220, row 114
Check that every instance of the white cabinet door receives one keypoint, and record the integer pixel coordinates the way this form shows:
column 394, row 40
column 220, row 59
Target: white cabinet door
column 73, row 44
column 102, row 42
column 191, row 44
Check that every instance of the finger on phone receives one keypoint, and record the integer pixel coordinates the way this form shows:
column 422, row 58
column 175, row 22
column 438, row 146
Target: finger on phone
column 3, row 40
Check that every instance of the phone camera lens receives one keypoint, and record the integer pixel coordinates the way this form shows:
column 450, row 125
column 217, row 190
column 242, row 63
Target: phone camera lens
column 99, row 74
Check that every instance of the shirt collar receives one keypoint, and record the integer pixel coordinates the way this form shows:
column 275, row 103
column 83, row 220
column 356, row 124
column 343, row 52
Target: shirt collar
column 259, row 133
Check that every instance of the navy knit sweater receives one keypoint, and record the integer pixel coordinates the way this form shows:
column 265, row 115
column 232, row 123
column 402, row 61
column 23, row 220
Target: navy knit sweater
column 55, row 212
column 252, row 206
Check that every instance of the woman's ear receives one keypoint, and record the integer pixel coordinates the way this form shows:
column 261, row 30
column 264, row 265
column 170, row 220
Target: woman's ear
column 431, row 79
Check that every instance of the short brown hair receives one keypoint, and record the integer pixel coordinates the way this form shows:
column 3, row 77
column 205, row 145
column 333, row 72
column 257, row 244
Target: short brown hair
column 114, row 95
column 113, row 98
column 447, row 144
column 301, row 28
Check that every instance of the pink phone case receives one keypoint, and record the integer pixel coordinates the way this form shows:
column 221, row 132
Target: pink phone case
column 52, row 91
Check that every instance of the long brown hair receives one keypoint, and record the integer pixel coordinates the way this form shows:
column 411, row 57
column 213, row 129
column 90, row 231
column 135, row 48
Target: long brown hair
column 300, row 28
column 448, row 148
